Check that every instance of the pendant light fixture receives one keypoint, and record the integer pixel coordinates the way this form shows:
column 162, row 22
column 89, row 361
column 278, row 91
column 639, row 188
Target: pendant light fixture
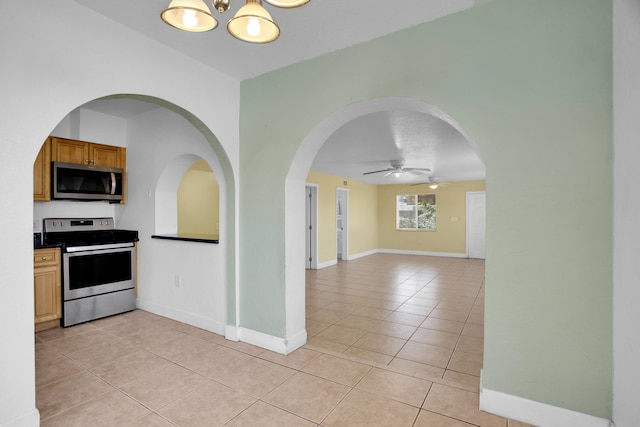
column 252, row 23
column 287, row 4
column 189, row 15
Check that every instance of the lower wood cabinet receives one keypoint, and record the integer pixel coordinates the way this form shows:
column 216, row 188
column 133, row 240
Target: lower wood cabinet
column 47, row 288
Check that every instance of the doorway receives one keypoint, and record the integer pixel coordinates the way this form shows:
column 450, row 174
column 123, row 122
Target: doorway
column 311, row 226
column 342, row 223
column 476, row 224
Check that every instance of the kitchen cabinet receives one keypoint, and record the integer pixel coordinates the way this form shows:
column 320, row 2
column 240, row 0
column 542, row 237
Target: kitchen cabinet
column 47, row 288
column 88, row 153
column 42, row 174
column 67, row 150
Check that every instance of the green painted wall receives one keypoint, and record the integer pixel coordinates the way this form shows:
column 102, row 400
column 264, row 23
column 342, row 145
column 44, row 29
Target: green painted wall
column 530, row 83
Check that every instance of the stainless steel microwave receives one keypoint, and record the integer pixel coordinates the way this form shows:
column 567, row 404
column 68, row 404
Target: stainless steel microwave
column 71, row 181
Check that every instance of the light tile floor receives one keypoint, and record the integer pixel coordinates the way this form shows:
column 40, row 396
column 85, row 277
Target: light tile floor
column 394, row 340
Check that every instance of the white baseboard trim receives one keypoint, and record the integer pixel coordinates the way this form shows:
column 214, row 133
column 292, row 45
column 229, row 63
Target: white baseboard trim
column 327, row 264
column 192, row 319
column 425, row 253
column 536, row 413
column 362, row 254
column 30, row 419
column 269, row 342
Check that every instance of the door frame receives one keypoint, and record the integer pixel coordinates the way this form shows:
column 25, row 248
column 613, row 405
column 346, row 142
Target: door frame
column 311, row 220
column 468, row 195
column 345, row 221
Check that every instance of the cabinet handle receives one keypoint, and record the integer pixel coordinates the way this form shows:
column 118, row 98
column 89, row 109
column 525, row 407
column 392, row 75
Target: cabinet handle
column 44, row 258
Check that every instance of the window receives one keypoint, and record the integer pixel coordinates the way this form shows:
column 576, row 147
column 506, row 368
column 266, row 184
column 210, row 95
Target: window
column 416, row 212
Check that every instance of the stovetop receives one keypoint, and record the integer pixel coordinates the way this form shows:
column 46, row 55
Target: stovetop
column 87, row 238
column 84, row 232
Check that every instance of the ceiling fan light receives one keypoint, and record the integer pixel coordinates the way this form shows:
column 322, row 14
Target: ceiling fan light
column 189, row 15
column 287, row 3
column 253, row 24
column 433, row 186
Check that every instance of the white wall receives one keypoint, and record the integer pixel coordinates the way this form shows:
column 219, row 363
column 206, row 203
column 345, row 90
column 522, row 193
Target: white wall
column 161, row 146
column 63, row 56
column 626, row 246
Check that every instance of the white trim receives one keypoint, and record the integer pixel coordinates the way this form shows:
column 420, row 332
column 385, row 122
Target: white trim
column 345, row 222
column 269, row 342
column 327, row 264
column 468, row 225
column 30, row 419
column 362, row 254
column 536, row 413
column 403, row 252
column 312, row 189
column 192, row 319
column 232, row 333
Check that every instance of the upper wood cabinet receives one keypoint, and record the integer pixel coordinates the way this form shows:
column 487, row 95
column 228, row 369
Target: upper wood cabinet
column 88, row 153
column 42, row 174
column 66, row 150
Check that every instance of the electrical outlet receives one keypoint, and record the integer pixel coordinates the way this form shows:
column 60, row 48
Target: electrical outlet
column 178, row 281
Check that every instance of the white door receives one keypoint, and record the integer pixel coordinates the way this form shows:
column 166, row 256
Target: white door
column 342, row 223
column 311, row 226
column 476, row 220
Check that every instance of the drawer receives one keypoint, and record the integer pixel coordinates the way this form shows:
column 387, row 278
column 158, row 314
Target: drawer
column 50, row 256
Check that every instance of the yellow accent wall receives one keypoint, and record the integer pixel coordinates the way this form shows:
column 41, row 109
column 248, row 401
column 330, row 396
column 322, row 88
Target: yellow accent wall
column 450, row 234
column 362, row 214
column 372, row 220
column 198, row 200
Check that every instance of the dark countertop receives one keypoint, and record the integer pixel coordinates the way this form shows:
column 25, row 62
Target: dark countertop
column 43, row 246
column 189, row 237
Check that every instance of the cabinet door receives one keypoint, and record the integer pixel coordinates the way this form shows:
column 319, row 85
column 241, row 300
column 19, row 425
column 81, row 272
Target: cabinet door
column 70, row 151
column 47, row 297
column 42, row 173
column 104, row 155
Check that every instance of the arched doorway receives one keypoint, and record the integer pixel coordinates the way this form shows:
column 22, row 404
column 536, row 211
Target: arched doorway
column 295, row 182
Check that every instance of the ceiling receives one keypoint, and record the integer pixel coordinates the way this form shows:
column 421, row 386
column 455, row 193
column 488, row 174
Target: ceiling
column 318, row 27
column 367, row 143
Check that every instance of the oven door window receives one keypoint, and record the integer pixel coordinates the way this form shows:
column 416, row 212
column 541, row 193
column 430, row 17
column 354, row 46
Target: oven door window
column 98, row 269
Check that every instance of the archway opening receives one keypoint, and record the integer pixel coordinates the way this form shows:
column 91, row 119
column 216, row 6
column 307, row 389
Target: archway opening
column 453, row 218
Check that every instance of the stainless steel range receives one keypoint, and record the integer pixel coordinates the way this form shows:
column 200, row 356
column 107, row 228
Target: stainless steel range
column 98, row 267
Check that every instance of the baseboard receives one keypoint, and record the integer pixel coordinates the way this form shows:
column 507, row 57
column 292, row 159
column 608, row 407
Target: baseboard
column 30, row 419
column 536, row 413
column 269, row 342
column 327, row 264
column 425, row 253
column 192, row 319
column 391, row 251
column 362, row 254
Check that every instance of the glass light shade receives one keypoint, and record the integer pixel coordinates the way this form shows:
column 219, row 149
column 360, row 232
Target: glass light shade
column 253, row 24
column 189, row 15
column 287, row 3
column 433, row 186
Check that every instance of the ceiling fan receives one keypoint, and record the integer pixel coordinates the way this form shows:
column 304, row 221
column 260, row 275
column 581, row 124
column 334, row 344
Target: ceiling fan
column 397, row 169
column 432, row 182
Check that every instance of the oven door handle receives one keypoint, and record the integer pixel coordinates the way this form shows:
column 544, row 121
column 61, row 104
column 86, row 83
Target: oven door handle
column 113, row 183
column 98, row 247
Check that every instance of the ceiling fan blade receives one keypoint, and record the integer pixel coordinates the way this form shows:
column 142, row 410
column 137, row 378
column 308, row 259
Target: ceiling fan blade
column 390, row 172
column 382, row 170
column 418, row 169
column 415, row 171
